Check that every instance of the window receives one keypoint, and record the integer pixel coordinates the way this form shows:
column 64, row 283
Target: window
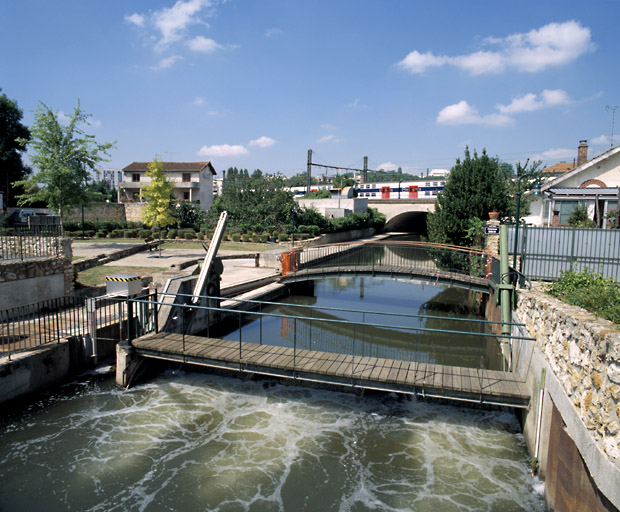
column 435, row 184
column 185, row 196
column 135, row 177
column 428, row 184
column 373, row 194
column 427, row 193
column 187, row 177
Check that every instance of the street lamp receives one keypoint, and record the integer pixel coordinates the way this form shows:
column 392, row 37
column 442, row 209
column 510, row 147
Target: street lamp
column 535, row 193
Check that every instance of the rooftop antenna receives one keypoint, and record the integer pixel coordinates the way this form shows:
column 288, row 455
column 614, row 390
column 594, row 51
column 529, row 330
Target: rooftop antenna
column 613, row 120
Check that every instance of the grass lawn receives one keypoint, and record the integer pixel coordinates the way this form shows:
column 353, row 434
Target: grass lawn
column 96, row 276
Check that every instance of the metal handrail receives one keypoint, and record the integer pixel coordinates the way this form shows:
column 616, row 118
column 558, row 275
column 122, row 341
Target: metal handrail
column 326, row 308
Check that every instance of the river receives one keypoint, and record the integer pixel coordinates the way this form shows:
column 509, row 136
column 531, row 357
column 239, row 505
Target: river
column 193, row 441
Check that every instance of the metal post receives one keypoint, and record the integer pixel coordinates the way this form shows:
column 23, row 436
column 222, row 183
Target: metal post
column 183, row 326
column 294, row 342
column 505, row 283
column 130, row 329
column 155, row 319
column 240, row 335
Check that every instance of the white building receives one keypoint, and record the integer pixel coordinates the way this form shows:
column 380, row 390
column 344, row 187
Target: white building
column 193, row 181
column 113, row 176
column 593, row 183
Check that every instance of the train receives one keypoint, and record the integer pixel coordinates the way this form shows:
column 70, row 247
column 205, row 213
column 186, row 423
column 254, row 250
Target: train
column 416, row 189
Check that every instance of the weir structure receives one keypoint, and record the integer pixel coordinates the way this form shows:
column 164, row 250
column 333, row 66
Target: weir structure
column 344, row 366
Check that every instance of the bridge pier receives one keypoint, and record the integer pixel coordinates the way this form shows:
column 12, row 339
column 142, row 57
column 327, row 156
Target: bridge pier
column 128, row 364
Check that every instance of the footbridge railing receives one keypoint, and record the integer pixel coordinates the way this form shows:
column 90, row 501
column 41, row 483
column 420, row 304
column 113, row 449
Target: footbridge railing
column 424, row 258
column 406, row 337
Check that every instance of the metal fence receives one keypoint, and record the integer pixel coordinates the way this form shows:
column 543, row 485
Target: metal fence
column 21, row 243
column 426, row 258
column 27, row 327
column 313, row 328
column 546, row 252
column 33, row 325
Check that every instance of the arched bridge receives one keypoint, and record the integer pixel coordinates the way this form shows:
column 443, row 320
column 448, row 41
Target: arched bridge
column 407, row 215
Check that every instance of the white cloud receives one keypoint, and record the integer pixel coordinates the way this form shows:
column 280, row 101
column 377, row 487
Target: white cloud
column 203, row 44
column 531, row 102
column 463, row 113
column 167, row 62
column 198, row 100
column 62, row 117
column 417, row 62
column 222, row 150
column 135, row 19
column 601, row 140
column 328, row 127
column 554, row 154
column 356, row 104
column 328, row 138
column 388, row 166
column 272, row 32
column 554, row 44
column 94, row 122
column 173, row 21
column 263, row 142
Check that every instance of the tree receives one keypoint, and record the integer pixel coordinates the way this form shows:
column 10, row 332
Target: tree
column 475, row 187
column 158, row 193
column 63, row 155
column 11, row 166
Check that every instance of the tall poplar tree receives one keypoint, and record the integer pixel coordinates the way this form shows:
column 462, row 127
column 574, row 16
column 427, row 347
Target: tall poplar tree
column 158, row 193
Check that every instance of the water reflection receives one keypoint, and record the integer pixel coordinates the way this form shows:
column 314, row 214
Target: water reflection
column 371, row 334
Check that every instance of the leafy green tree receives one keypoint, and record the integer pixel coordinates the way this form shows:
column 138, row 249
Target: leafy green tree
column 342, row 181
column 254, row 202
column 299, row 180
column 11, row 166
column 189, row 215
column 476, row 186
column 158, row 210
column 101, row 191
column 63, row 155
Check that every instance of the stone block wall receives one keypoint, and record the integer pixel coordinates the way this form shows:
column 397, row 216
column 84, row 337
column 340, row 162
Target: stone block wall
column 133, row 211
column 584, row 355
column 99, row 212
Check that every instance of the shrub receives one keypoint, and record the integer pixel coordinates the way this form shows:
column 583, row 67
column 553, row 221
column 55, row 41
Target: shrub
column 282, row 237
column 246, row 238
column 189, row 235
column 172, row 234
column 589, row 290
column 144, row 233
column 89, row 233
column 116, row 233
column 235, row 237
column 130, row 233
column 100, row 234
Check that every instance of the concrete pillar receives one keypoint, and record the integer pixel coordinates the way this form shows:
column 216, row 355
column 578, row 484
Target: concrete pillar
column 126, row 362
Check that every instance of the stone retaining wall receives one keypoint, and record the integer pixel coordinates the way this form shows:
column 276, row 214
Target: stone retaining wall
column 99, row 212
column 37, row 279
column 584, row 355
column 102, row 259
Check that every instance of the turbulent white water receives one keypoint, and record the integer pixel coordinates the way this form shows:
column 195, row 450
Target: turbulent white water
column 202, row 442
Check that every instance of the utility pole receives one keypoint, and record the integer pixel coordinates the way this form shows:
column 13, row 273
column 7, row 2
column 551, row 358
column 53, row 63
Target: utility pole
column 365, row 172
column 309, row 173
column 613, row 120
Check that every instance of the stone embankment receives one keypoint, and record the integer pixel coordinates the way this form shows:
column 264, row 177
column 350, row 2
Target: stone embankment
column 584, row 353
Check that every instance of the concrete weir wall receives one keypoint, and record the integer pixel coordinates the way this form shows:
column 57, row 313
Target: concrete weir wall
column 579, row 441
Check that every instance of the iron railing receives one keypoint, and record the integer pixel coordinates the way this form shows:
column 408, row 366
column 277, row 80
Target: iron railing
column 320, row 329
column 26, row 327
column 34, row 325
column 21, row 243
column 421, row 257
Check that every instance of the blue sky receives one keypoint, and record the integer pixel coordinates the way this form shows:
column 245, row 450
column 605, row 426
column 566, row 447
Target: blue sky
column 255, row 84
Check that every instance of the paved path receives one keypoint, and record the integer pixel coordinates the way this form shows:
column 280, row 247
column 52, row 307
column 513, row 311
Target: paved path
column 235, row 271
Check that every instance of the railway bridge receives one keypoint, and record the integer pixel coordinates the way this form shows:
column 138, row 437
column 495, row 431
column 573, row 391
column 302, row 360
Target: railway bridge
column 405, row 215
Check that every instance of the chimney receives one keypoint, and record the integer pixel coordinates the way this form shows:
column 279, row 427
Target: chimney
column 582, row 152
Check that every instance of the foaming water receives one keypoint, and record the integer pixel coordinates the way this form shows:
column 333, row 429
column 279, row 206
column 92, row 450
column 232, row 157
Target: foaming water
column 202, row 442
